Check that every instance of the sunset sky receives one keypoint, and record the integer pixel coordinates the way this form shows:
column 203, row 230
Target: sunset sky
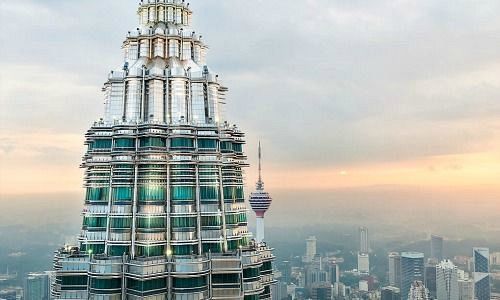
column 342, row 93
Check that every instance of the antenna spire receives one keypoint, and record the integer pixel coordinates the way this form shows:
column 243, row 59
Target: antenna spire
column 260, row 184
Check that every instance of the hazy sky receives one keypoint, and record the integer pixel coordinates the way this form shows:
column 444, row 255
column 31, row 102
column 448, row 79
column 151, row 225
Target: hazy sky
column 343, row 93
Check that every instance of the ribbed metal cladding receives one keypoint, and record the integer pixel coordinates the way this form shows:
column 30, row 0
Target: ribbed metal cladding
column 164, row 214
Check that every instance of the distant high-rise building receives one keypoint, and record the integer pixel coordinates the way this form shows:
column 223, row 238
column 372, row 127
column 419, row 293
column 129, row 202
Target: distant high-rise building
column 310, row 248
column 316, row 274
column 37, row 286
column 447, row 281
column 412, row 270
column 334, row 273
column 8, row 295
column 279, row 291
column 364, row 263
column 260, row 200
column 418, row 291
column 431, row 278
column 390, row 293
column 482, row 278
column 437, row 247
column 322, row 291
column 165, row 215
column 395, row 269
column 495, row 259
column 286, row 271
column 364, row 241
column 465, row 286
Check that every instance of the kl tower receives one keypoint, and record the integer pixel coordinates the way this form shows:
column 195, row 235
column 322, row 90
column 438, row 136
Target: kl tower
column 260, row 201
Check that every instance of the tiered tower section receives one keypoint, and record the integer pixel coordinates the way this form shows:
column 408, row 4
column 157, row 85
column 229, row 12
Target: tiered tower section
column 260, row 200
column 164, row 214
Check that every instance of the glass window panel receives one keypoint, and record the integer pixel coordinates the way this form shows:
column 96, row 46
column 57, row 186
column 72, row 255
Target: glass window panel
column 152, row 193
column 182, row 193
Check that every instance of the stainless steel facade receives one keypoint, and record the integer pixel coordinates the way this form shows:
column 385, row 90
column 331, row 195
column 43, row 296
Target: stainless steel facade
column 165, row 214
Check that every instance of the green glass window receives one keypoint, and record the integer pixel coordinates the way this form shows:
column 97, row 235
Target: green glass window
column 182, row 193
column 251, row 272
column 266, row 266
column 209, row 193
column 232, row 219
column 105, row 284
column 150, row 251
column 252, row 297
column 189, row 283
column 146, row 286
column 242, row 218
column 207, row 144
column 95, row 222
column 118, row 250
column 125, row 143
column 152, row 193
column 226, row 278
column 211, row 221
column 122, row 194
column 121, row 223
column 151, row 223
column 74, row 280
column 226, row 146
column 183, row 222
column 245, row 241
column 97, row 194
column 184, row 250
column 93, row 248
column 238, row 147
column 233, row 192
column 212, row 247
column 233, row 245
column 101, row 144
column 182, row 143
column 152, row 142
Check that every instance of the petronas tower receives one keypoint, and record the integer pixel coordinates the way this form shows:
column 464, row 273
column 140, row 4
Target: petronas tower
column 165, row 214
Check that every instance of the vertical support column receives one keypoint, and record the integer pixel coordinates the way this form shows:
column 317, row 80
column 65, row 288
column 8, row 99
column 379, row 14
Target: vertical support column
column 143, row 95
column 134, row 196
column 168, row 210
column 260, row 229
column 198, row 209
column 108, row 219
column 222, row 204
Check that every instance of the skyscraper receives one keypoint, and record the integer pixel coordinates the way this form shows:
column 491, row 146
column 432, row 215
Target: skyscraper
column 482, row 278
column 260, row 201
column 431, row 277
column 363, row 263
column 418, row 291
column 37, row 287
column 412, row 270
column 165, row 214
column 364, row 242
column 447, row 281
column 395, row 269
column 310, row 248
column 465, row 286
column 437, row 247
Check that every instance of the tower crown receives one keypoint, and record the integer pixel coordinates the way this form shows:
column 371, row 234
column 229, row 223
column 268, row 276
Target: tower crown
column 260, row 200
column 168, row 11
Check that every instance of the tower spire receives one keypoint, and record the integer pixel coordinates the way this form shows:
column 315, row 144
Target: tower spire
column 260, row 184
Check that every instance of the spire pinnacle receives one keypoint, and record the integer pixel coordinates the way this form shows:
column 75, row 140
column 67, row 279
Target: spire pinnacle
column 260, row 183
